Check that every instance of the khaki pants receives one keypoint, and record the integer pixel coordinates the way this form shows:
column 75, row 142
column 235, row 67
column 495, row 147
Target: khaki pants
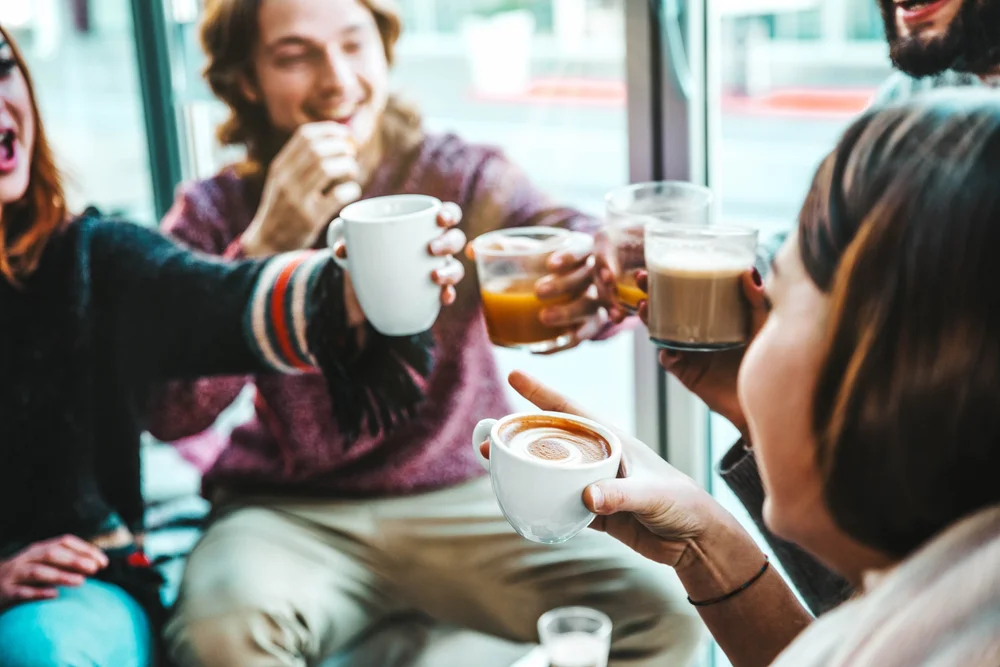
column 288, row 583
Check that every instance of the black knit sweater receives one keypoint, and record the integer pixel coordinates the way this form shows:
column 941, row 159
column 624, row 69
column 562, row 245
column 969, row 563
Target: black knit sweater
column 111, row 309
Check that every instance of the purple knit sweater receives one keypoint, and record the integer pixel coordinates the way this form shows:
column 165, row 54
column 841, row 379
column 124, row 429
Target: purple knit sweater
column 292, row 444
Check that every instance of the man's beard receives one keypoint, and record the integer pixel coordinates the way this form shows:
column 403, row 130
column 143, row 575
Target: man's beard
column 970, row 44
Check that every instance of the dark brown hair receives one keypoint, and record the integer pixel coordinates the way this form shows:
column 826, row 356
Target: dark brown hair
column 27, row 225
column 229, row 35
column 902, row 230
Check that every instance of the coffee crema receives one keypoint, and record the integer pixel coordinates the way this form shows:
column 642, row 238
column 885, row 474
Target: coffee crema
column 554, row 440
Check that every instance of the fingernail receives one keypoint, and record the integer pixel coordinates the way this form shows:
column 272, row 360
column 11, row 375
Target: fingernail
column 543, row 286
column 756, row 278
column 597, row 497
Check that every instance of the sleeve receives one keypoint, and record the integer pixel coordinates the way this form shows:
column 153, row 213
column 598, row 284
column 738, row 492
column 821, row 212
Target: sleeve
column 179, row 314
column 821, row 588
column 503, row 196
column 183, row 408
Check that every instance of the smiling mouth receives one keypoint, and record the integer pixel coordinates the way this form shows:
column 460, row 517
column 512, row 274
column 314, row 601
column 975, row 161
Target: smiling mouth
column 913, row 5
column 7, row 139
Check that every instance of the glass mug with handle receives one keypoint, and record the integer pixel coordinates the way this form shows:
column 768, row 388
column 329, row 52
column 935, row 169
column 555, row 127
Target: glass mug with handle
column 696, row 299
column 387, row 241
column 509, row 262
column 630, row 209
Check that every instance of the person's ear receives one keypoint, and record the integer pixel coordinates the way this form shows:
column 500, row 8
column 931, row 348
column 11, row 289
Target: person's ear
column 248, row 88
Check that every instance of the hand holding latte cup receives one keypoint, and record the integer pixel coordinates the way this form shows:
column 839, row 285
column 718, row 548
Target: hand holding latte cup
column 648, row 504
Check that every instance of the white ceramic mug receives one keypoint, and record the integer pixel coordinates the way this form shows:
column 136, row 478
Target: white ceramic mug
column 543, row 500
column 389, row 261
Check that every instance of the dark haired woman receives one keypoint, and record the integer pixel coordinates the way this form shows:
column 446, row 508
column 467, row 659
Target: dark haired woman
column 871, row 395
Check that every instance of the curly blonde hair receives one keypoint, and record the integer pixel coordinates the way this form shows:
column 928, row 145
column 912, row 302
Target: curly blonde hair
column 229, row 34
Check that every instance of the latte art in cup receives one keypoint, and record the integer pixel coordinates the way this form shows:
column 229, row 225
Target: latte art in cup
column 555, row 441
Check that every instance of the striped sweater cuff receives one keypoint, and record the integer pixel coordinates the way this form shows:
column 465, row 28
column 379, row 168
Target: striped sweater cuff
column 277, row 318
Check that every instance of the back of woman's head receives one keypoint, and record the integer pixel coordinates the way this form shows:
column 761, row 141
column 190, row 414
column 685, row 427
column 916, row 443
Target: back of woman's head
column 27, row 224
column 902, row 229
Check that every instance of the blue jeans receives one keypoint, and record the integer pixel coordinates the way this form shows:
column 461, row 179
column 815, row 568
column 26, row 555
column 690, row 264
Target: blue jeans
column 94, row 625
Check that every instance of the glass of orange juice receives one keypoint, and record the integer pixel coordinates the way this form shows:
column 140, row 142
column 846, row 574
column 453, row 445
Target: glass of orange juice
column 509, row 262
column 630, row 208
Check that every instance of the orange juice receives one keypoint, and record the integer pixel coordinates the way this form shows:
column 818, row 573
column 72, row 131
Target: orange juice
column 512, row 312
column 629, row 293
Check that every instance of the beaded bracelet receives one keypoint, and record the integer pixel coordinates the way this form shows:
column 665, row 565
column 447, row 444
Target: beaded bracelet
column 732, row 594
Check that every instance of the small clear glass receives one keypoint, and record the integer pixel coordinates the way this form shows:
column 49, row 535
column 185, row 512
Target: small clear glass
column 509, row 262
column 575, row 637
column 696, row 299
column 630, row 209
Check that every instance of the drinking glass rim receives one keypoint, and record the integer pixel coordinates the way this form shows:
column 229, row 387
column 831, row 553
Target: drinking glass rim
column 350, row 212
column 635, row 187
column 604, row 632
column 707, row 231
column 558, row 234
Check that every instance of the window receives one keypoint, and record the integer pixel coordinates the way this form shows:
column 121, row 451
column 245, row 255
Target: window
column 83, row 65
column 786, row 77
column 545, row 81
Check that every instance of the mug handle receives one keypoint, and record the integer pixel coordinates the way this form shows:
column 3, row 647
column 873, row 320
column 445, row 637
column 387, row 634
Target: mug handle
column 479, row 434
column 334, row 236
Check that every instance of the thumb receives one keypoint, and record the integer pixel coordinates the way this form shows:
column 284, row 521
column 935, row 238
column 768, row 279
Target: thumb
column 617, row 495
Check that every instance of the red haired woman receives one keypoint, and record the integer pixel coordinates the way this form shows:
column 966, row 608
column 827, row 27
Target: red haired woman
column 93, row 313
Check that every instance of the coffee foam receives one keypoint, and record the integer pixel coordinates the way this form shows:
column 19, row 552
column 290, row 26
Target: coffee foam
column 555, row 441
column 701, row 261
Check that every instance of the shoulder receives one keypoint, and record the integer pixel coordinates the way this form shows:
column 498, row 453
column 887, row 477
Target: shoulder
column 208, row 214
column 106, row 237
column 223, row 190
column 454, row 167
column 900, row 87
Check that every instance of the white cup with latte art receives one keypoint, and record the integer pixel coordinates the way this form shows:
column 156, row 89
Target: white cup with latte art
column 540, row 464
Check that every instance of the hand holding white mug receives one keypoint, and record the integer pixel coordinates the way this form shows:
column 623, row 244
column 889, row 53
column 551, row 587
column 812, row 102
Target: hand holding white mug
column 313, row 177
column 448, row 244
column 398, row 260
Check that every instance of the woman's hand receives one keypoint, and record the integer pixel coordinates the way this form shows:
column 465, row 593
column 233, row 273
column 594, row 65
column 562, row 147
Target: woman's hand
column 448, row 244
column 711, row 376
column 35, row 572
column 313, row 177
column 573, row 273
column 652, row 507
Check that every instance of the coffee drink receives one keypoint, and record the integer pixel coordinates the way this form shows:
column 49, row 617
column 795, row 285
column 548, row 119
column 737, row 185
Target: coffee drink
column 554, row 440
column 512, row 311
column 629, row 294
column 696, row 299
